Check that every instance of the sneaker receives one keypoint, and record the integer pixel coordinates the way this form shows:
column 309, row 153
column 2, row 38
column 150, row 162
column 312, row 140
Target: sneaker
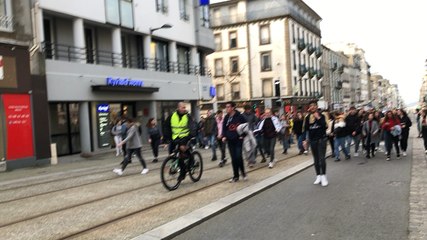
column 271, row 164
column 356, row 154
column 155, row 160
column 118, row 171
column 233, row 180
column 206, row 147
column 318, row 179
column 305, row 152
column 250, row 165
column 221, row 163
column 337, row 159
column 245, row 178
column 398, row 156
column 144, row 171
column 347, row 157
column 368, row 157
column 265, row 160
column 285, row 152
column 214, row 159
column 388, row 158
column 324, row 180
column 117, row 154
column 404, row 154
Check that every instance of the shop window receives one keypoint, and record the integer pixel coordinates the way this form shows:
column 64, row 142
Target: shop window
column 65, row 127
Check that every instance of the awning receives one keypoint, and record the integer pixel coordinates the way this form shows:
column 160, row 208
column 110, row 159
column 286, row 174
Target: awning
column 106, row 88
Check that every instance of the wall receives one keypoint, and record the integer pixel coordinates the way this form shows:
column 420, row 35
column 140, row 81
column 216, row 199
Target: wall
column 88, row 9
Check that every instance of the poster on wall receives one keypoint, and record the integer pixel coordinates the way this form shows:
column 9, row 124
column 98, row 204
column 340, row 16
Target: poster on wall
column 19, row 129
column 103, row 116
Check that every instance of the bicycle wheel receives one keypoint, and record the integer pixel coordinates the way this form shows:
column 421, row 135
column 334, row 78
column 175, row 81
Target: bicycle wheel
column 169, row 173
column 197, row 169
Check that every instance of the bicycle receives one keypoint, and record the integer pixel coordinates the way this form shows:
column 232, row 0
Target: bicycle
column 170, row 170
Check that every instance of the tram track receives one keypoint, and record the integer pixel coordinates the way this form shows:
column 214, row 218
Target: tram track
column 109, row 197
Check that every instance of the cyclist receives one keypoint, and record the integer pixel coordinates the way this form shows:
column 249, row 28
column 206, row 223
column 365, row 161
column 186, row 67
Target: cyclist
column 179, row 128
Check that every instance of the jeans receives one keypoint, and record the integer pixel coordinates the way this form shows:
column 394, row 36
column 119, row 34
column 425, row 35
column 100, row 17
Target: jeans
column 300, row 139
column 212, row 143
column 235, row 148
column 128, row 157
column 404, row 140
column 269, row 144
column 285, row 142
column 340, row 142
column 155, row 143
column 391, row 140
column 260, row 146
column 318, row 149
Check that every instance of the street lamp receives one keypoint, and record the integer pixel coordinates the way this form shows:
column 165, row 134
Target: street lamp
column 164, row 26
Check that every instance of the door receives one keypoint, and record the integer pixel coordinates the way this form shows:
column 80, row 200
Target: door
column 90, row 45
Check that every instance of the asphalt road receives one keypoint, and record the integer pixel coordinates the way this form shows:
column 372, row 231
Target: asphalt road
column 368, row 201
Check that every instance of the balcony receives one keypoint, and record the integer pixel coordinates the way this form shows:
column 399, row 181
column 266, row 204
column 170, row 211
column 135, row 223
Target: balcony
column 341, row 69
column 311, row 72
column 6, row 23
column 319, row 74
column 310, row 48
column 319, row 52
column 338, row 85
column 301, row 44
column 99, row 57
column 302, row 70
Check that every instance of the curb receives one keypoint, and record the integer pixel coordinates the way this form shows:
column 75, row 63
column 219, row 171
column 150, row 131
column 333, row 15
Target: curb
column 186, row 222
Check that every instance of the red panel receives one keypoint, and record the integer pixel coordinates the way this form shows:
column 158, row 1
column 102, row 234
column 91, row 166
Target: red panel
column 19, row 127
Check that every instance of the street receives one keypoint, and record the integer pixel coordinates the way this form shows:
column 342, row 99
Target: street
column 368, row 201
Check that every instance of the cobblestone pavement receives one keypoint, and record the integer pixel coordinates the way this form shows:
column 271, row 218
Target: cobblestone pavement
column 418, row 191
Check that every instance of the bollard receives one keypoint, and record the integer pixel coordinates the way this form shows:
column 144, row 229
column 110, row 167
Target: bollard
column 53, row 154
column 3, row 167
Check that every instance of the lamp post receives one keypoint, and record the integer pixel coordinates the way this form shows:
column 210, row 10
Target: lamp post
column 163, row 26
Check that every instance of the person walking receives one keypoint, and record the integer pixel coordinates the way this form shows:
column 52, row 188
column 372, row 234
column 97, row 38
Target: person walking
column 133, row 145
column 249, row 143
column 405, row 123
column 210, row 132
column 315, row 125
column 154, row 137
column 392, row 130
column 285, row 133
column 270, row 127
column 259, row 140
column 423, row 123
column 231, row 121
column 219, row 123
column 298, row 131
column 371, row 132
column 339, row 132
column 116, row 131
column 354, row 126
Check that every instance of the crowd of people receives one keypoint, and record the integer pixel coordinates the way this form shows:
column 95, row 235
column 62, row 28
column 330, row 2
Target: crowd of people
column 249, row 135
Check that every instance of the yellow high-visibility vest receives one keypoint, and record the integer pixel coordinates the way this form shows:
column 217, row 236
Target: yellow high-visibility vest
column 179, row 127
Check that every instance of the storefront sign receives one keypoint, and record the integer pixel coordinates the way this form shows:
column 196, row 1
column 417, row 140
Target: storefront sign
column 103, row 117
column 19, row 128
column 124, row 82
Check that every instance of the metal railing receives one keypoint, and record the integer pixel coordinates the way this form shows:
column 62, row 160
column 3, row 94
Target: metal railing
column 94, row 56
column 6, row 23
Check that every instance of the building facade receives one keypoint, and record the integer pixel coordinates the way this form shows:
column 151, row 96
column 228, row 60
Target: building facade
column 114, row 58
column 23, row 99
column 267, row 53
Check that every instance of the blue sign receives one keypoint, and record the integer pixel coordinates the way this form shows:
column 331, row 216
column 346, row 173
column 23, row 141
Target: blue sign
column 212, row 91
column 204, row 2
column 103, row 108
column 124, row 82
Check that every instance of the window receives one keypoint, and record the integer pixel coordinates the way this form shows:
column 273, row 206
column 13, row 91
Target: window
column 232, row 39
column 183, row 12
column 267, row 88
column 293, row 33
column 6, row 23
column 294, row 59
column 235, row 91
column 264, row 34
column 234, row 65
column 218, row 42
column 204, row 16
column 220, row 93
column 161, row 6
column 119, row 12
column 232, row 14
column 183, row 59
column 218, row 67
column 160, row 55
column 266, row 61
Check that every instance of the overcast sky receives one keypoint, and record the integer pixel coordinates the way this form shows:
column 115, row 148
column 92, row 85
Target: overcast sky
column 393, row 34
